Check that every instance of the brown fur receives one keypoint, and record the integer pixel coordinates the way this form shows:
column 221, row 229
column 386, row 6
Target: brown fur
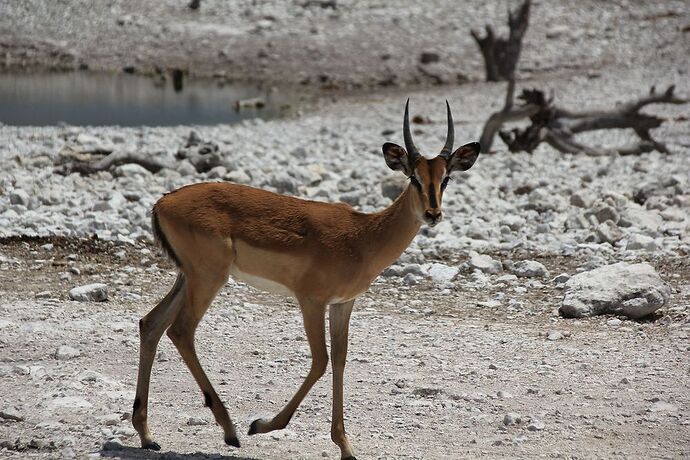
column 322, row 253
column 311, row 243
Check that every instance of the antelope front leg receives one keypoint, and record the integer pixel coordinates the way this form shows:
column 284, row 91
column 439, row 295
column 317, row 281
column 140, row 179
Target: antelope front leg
column 339, row 322
column 151, row 328
column 315, row 328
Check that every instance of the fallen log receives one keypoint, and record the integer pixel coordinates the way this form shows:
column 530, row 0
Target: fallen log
column 85, row 165
column 557, row 126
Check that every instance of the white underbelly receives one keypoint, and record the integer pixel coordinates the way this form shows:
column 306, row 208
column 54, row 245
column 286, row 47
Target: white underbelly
column 260, row 283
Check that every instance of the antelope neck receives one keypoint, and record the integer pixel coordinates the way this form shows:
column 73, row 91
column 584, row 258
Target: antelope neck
column 393, row 228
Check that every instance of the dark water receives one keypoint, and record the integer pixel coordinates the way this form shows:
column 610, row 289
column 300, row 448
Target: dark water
column 125, row 100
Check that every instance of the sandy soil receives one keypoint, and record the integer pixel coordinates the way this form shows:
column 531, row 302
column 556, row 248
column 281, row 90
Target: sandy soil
column 358, row 43
column 431, row 374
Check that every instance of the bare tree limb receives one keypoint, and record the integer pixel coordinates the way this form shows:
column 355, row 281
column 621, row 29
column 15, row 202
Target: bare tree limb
column 505, row 115
column 502, row 54
column 112, row 160
column 557, row 126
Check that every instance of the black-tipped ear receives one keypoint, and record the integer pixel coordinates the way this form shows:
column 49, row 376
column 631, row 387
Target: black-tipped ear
column 464, row 157
column 396, row 158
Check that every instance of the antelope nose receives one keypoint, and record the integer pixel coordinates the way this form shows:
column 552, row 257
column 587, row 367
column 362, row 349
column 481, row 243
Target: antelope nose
column 433, row 216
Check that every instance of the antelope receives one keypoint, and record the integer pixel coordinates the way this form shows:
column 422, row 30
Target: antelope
column 323, row 254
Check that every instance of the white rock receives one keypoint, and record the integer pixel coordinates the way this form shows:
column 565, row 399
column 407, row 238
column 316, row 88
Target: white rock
column 131, row 170
column 414, row 269
column 71, row 402
column 238, row 176
column 66, row 352
column 530, row 269
column 96, row 292
column 509, row 278
column 512, row 418
column 90, row 376
column 674, row 215
column 411, row 279
column 555, row 335
column 485, row 263
column 643, row 242
column 126, row 431
column 489, row 304
column 663, row 406
column 217, row 172
column 608, row 232
column 633, row 290
column 536, row 425
column 512, row 221
column 186, row 168
column 556, row 31
column 441, row 273
column 477, row 231
column 110, row 419
column 196, row 421
column 640, row 218
column 20, row 197
column 606, row 212
column 581, row 200
column 91, row 143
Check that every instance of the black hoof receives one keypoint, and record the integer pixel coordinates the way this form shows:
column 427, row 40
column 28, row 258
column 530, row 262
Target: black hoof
column 350, row 458
column 232, row 441
column 252, row 427
column 151, row 446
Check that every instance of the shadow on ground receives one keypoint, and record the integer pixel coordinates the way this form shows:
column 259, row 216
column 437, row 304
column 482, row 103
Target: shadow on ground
column 115, row 450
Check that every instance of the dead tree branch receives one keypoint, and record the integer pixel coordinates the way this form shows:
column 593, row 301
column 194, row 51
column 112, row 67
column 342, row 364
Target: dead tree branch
column 502, row 54
column 558, row 126
column 505, row 115
column 203, row 156
column 85, row 164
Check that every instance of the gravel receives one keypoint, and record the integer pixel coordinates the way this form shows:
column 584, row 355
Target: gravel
column 468, row 312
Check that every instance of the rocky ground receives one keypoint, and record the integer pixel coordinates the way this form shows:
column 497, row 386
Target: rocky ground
column 458, row 350
column 465, row 369
column 450, row 348
column 335, row 43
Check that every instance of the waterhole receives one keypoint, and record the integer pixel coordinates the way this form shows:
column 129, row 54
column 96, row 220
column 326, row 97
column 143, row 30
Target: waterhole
column 86, row 99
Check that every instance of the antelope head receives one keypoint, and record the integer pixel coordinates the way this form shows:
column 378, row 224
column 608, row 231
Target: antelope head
column 429, row 176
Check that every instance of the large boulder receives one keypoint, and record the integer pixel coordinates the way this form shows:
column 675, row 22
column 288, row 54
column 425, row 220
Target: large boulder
column 632, row 290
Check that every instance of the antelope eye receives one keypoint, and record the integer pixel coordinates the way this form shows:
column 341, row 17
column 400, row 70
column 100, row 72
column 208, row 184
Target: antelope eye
column 445, row 182
column 415, row 182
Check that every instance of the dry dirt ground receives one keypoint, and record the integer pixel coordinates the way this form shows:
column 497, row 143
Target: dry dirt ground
column 336, row 43
column 431, row 373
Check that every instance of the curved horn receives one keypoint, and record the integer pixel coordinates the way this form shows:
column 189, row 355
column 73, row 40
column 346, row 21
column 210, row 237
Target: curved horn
column 448, row 148
column 412, row 151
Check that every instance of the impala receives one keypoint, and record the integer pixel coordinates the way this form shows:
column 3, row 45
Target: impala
column 323, row 254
